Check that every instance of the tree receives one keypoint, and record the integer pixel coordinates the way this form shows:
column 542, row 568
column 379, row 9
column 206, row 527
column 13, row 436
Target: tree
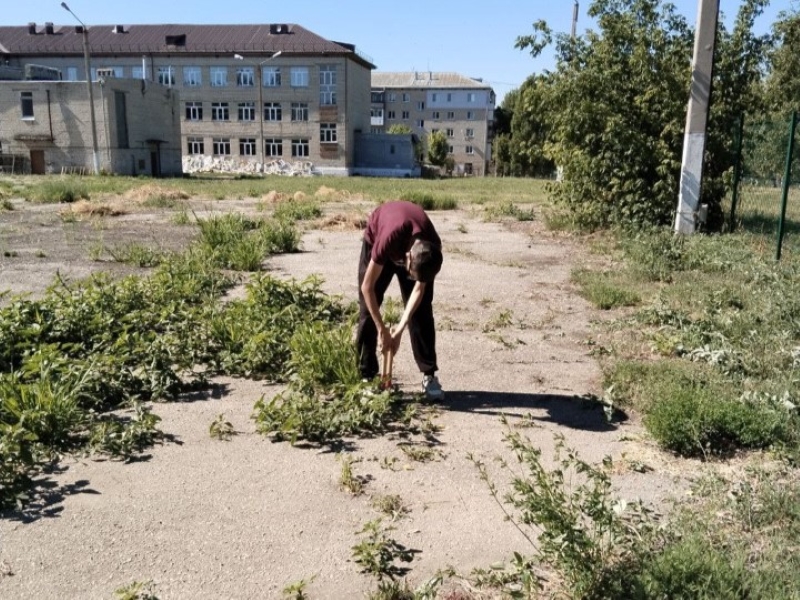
column 612, row 114
column 399, row 129
column 437, row 148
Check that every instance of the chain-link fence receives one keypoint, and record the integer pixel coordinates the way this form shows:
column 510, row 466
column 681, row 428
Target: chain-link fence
column 761, row 189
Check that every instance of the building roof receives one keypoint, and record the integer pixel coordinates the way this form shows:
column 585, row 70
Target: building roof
column 174, row 39
column 425, row 79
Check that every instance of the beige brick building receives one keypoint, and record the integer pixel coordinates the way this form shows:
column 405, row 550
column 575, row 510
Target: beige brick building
column 461, row 107
column 249, row 94
column 45, row 127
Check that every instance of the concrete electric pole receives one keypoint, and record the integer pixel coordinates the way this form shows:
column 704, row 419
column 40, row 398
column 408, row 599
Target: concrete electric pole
column 574, row 18
column 694, row 139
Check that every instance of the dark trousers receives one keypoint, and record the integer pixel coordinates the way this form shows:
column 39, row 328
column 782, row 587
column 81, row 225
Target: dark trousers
column 421, row 328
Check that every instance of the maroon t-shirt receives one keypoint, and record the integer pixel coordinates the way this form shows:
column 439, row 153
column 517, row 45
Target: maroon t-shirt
column 392, row 227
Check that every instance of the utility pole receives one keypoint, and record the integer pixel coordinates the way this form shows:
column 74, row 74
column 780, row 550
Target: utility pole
column 574, row 18
column 87, row 65
column 694, row 139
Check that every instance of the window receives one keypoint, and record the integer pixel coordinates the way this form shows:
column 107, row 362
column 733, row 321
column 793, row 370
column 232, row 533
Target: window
column 271, row 76
column 470, row 150
column 406, row 115
column 299, row 76
column 327, row 85
column 434, row 97
column 299, row 111
column 194, row 111
column 245, row 77
column 449, row 132
column 222, row 146
column 406, row 97
column 247, row 146
column 470, row 115
column 26, row 103
column 391, row 115
column 219, row 76
column 392, row 97
column 420, row 105
column 166, row 76
column 451, row 115
column 376, row 113
column 247, row 111
column 436, row 115
column 136, row 72
column 449, row 149
column 273, row 147
column 327, row 133
column 72, row 74
column 195, row 145
column 272, row 111
column 219, row 112
column 469, row 133
column 420, row 123
column 449, row 97
column 471, row 97
column 191, row 76
column 435, row 130
column 300, row 148
column 468, row 168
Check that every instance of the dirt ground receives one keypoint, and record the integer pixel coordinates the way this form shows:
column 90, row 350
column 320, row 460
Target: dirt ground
column 207, row 519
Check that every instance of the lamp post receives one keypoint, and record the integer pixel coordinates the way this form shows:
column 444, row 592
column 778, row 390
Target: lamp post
column 88, row 67
column 260, row 83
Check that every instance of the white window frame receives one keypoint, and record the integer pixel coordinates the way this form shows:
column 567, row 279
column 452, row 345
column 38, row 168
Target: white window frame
column 327, row 85
column 166, row 76
column 192, row 76
column 469, row 133
column 246, row 111
column 273, row 147
column 420, row 122
column 420, row 105
column 194, row 111
column 391, row 114
column 470, row 115
column 327, row 133
column 470, row 150
column 406, row 115
column 472, row 97
column 247, row 146
column 301, row 148
column 195, row 145
column 299, row 76
column 221, row 146
column 392, row 97
column 273, row 111
column 451, row 115
column 299, row 111
column 406, row 97
column 271, row 76
column 245, row 76
column 436, row 115
column 449, row 132
column 220, row 111
column 219, row 77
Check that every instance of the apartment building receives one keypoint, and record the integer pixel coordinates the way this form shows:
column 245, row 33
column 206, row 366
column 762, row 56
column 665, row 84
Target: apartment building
column 47, row 127
column 461, row 107
column 250, row 95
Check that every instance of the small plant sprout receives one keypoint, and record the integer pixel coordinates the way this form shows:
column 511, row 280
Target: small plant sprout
column 297, row 590
column 391, row 505
column 348, row 480
column 377, row 553
column 221, row 429
column 137, row 590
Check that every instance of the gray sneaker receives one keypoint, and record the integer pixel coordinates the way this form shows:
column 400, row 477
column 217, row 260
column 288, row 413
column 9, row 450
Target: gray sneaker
column 432, row 388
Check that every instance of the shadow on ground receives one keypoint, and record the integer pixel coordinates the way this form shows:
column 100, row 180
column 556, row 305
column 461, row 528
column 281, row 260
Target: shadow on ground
column 47, row 496
column 575, row 412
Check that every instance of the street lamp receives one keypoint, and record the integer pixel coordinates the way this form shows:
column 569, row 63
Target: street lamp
column 260, row 102
column 88, row 68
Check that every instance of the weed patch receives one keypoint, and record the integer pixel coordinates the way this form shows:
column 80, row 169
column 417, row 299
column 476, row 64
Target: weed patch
column 430, row 201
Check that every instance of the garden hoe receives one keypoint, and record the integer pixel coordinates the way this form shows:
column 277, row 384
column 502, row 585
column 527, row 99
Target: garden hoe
column 386, row 371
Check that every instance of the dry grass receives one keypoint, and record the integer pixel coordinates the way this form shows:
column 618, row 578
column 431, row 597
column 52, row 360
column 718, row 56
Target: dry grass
column 87, row 208
column 342, row 222
column 153, row 191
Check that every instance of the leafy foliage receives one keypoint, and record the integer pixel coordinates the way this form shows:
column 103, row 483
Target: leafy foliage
column 378, row 554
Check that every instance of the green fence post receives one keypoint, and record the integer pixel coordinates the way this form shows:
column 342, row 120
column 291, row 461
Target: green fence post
column 787, row 176
column 737, row 173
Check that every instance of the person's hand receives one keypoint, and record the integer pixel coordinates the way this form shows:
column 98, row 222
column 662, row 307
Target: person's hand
column 396, row 334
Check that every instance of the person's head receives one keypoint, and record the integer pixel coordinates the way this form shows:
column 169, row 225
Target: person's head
column 424, row 260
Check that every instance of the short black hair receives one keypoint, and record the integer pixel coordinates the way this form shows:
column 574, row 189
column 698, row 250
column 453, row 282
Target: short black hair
column 426, row 260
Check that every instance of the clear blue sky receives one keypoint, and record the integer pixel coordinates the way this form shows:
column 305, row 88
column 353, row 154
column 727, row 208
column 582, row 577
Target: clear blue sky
column 464, row 36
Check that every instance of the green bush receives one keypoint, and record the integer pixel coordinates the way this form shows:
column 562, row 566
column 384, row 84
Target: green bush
column 430, row 201
column 52, row 191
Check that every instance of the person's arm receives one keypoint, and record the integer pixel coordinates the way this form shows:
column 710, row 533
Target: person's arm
column 413, row 302
column 371, row 300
